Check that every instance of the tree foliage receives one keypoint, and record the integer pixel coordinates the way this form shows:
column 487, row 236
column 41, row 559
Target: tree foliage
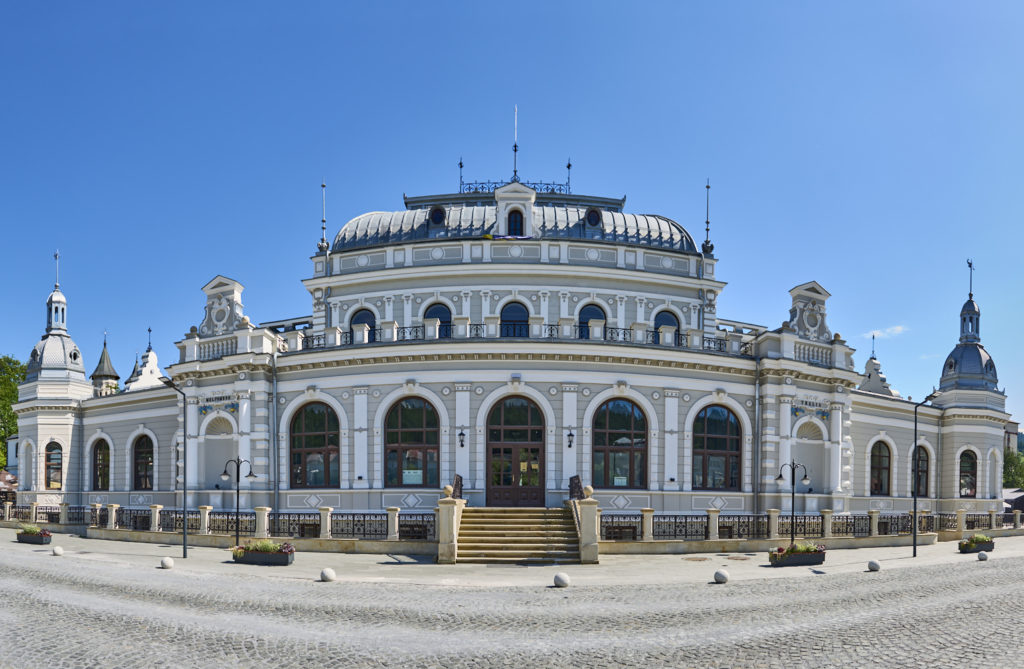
column 1013, row 469
column 12, row 372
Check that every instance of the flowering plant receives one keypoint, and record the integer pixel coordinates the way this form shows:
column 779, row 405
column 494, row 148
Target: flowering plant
column 974, row 539
column 782, row 552
column 35, row 530
column 262, row 546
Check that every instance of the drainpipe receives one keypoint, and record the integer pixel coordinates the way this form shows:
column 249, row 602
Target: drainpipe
column 275, row 464
column 757, row 436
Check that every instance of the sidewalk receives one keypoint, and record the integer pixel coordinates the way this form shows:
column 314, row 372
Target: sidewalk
column 398, row 569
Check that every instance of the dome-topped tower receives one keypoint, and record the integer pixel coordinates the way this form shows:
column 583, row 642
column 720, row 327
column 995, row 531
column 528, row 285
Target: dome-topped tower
column 56, row 356
column 969, row 366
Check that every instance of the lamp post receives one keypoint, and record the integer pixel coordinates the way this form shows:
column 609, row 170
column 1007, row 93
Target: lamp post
column 780, row 479
column 184, row 463
column 237, row 462
column 913, row 455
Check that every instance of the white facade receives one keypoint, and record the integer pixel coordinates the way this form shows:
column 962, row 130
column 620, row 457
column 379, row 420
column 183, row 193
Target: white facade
column 655, row 340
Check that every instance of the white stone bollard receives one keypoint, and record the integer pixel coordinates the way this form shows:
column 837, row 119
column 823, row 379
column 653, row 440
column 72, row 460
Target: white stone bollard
column 721, row 576
column 982, row 556
column 873, row 565
column 58, row 551
column 167, row 563
column 561, row 580
column 327, row 575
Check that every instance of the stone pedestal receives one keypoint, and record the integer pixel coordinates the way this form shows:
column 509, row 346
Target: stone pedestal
column 393, row 523
column 713, row 524
column 773, row 523
column 325, row 521
column 590, row 531
column 204, row 519
column 112, row 515
column 826, row 523
column 154, row 517
column 262, row 522
column 647, row 524
column 873, row 516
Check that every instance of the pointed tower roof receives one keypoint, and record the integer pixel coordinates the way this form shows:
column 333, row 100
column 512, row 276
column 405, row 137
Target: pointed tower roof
column 105, row 369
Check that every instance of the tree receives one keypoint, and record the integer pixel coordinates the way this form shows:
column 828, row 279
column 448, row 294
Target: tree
column 12, row 372
column 1013, row 469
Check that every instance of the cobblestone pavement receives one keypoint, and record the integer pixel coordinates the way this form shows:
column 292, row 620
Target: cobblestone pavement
column 91, row 610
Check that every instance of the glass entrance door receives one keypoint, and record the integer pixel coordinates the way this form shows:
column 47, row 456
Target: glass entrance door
column 515, row 454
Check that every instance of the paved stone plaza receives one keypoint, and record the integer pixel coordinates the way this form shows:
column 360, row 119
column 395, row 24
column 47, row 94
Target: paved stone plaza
column 106, row 604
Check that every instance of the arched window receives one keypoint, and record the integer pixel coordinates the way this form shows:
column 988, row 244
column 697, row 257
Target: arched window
column 443, row 314
column 142, row 464
column 620, row 445
column 968, row 474
column 315, row 439
column 922, row 471
column 364, row 317
column 515, row 223
column 666, row 318
column 411, row 440
column 879, row 469
column 515, row 320
column 587, row 314
column 101, row 465
column 54, row 466
column 716, row 449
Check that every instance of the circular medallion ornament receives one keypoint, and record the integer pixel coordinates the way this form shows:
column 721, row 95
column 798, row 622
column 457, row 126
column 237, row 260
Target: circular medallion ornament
column 666, row 262
column 533, row 298
column 376, row 393
column 436, row 253
column 515, row 251
column 552, row 391
column 811, row 319
column 241, row 376
column 592, row 254
column 789, row 380
column 282, row 400
column 362, row 261
column 575, row 298
column 750, row 403
column 585, row 392
column 479, row 390
column 344, row 395
column 656, row 395
column 455, row 298
column 446, row 391
column 686, row 398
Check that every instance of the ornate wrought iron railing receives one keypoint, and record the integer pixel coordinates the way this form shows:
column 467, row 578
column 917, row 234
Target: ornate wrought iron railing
column 172, row 520
column 550, row 331
column 359, row 525
column 478, row 330
column 128, row 518
column 575, row 487
column 302, row 525
column 806, row 525
column 515, row 330
column 618, row 334
column 47, row 514
column 223, row 522
column 99, row 517
column 22, row 513
column 314, row 341
column 411, row 333
column 743, row 527
column 78, row 515
column 686, row 528
column 977, row 521
column 491, row 186
column 715, row 344
column 621, row 526
column 444, row 331
column 946, row 522
column 895, row 524
column 851, row 525
column 417, row 526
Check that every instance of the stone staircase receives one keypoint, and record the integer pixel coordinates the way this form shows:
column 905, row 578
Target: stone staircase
column 518, row 536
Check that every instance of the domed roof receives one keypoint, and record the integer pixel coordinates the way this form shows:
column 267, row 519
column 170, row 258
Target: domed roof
column 55, row 356
column 970, row 308
column 461, row 221
column 969, row 366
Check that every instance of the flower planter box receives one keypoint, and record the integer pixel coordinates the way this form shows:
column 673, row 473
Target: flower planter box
column 986, row 546
column 797, row 560
column 268, row 559
column 33, row 538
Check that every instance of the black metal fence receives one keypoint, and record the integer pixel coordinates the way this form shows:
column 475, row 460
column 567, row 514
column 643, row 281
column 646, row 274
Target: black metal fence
column 21, row 513
column 744, row 527
column 977, row 521
column 359, row 525
column 78, row 515
column 301, row 525
column 98, row 517
column 895, row 524
column 851, row 526
column 417, row 526
column 686, row 528
column 173, row 520
column 621, row 526
column 133, row 519
column 946, row 522
column 47, row 514
column 805, row 526
column 224, row 522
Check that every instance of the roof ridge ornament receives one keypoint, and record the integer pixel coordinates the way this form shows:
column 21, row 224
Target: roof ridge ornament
column 515, row 148
column 707, row 247
column 970, row 290
column 322, row 245
column 56, row 278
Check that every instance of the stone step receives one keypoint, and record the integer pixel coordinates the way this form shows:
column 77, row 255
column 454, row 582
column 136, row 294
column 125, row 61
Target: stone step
column 536, row 554
column 518, row 542
column 518, row 560
column 518, row 533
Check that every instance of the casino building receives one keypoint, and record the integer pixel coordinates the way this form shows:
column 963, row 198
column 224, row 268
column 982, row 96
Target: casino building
column 517, row 335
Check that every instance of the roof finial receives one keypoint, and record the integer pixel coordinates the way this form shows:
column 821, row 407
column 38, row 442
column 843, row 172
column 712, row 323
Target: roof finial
column 515, row 147
column 568, row 176
column 460, row 174
column 970, row 267
column 149, row 344
column 707, row 247
column 322, row 245
column 873, row 345
column 56, row 259
column 104, row 338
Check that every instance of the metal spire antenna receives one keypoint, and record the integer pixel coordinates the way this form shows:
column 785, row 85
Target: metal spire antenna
column 322, row 245
column 970, row 266
column 56, row 258
column 872, row 344
column 568, row 176
column 460, row 174
column 707, row 247
column 149, row 344
column 515, row 147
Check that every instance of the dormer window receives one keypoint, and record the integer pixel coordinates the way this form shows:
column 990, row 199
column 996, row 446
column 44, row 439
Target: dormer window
column 437, row 216
column 593, row 217
column 515, row 223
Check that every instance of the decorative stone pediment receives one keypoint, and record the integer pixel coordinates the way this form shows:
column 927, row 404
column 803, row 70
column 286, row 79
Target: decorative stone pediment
column 807, row 315
column 224, row 311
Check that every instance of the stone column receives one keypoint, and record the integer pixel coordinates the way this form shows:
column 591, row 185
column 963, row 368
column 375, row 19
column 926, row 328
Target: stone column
column 63, row 519
column 447, row 530
column 325, row 522
column 393, row 523
column 112, row 516
column 961, row 520
column 154, row 517
column 8, row 505
column 826, row 523
column 647, row 523
column 590, row 529
column 873, row 516
column 204, row 519
column 773, row 523
column 713, row 524
column 262, row 522
column 992, row 520
column 1016, row 519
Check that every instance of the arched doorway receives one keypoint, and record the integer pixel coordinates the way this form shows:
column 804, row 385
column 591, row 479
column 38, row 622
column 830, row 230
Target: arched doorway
column 515, row 454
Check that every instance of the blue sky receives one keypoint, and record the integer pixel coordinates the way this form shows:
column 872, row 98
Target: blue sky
column 872, row 147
